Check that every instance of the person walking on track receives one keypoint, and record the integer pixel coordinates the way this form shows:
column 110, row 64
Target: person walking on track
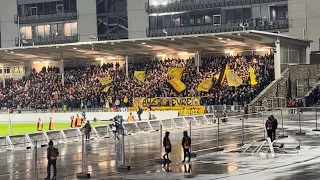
column 167, row 147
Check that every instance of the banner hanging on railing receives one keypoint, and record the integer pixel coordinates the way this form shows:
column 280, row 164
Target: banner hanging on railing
column 183, row 110
column 167, row 101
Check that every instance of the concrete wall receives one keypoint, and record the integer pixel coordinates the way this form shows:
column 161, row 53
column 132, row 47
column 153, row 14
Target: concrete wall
column 87, row 22
column 137, row 19
column 305, row 14
column 9, row 30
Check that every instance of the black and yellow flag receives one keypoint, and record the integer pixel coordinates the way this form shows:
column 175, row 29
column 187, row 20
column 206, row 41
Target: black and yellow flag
column 176, row 72
column 233, row 79
column 140, row 75
column 253, row 80
column 222, row 75
column 205, row 85
column 105, row 80
column 177, row 84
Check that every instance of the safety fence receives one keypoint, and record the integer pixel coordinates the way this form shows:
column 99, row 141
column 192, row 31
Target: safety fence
column 28, row 141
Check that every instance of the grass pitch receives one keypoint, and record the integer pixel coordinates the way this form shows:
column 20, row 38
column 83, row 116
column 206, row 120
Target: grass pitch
column 31, row 128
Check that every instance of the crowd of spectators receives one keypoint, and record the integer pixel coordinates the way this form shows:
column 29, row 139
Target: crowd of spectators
column 44, row 89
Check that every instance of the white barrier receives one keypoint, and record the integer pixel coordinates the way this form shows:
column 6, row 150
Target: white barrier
column 65, row 117
column 28, row 141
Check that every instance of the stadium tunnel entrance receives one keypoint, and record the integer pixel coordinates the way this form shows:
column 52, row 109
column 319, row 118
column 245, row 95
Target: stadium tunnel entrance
column 287, row 50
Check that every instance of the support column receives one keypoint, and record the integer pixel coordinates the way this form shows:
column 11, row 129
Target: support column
column 308, row 51
column 62, row 71
column 3, row 78
column 127, row 67
column 197, row 59
column 277, row 60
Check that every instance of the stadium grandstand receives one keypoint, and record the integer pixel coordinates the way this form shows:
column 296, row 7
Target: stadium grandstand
column 202, row 57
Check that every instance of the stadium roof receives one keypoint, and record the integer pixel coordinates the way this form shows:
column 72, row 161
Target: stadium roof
column 203, row 43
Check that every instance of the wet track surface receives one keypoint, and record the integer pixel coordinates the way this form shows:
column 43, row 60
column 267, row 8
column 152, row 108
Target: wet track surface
column 141, row 151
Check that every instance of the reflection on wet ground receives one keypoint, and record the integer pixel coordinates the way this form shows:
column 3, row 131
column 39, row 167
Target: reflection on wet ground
column 142, row 150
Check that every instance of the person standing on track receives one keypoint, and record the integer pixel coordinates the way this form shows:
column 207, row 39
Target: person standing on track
column 39, row 125
column 186, row 143
column 52, row 154
column 167, row 147
column 87, row 130
column 269, row 128
column 51, row 124
column 275, row 127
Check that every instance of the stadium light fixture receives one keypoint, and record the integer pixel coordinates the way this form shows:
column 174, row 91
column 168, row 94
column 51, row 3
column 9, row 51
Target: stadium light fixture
column 183, row 54
column 229, row 51
column 111, row 58
column 112, row 43
column 143, row 43
column 46, row 62
column 261, row 49
column 100, row 59
column 12, row 52
column 36, row 62
column 75, row 48
column 161, row 55
column 220, row 38
column 228, row 39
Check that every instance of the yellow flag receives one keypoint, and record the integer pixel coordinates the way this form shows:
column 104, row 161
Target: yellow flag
column 233, row 79
column 177, row 84
column 205, row 85
column 105, row 80
column 140, row 75
column 176, row 72
column 106, row 89
column 253, row 80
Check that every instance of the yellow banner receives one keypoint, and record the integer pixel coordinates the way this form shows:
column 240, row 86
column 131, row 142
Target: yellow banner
column 106, row 89
column 140, row 75
column 176, row 72
column 253, row 80
column 177, row 84
column 183, row 110
column 171, row 101
column 233, row 79
column 105, row 80
column 205, row 85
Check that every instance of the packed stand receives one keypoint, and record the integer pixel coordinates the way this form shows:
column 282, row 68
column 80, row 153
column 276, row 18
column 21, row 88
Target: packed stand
column 82, row 89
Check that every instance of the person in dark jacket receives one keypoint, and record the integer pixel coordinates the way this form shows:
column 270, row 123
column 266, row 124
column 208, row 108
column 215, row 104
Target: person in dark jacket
column 87, row 130
column 186, row 143
column 52, row 154
column 167, row 146
column 139, row 112
column 269, row 127
column 275, row 127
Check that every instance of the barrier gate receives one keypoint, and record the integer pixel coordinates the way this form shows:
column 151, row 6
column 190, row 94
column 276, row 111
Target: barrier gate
column 28, row 141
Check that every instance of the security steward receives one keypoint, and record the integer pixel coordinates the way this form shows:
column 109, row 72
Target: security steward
column 73, row 122
column 39, row 125
column 51, row 124
column 79, row 121
column 130, row 118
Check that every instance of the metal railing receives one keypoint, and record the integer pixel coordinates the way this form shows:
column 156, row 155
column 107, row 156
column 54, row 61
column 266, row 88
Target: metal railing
column 175, row 5
column 59, row 39
column 272, row 25
column 41, row 18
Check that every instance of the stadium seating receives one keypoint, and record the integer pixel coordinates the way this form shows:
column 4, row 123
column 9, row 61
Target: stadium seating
column 42, row 90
